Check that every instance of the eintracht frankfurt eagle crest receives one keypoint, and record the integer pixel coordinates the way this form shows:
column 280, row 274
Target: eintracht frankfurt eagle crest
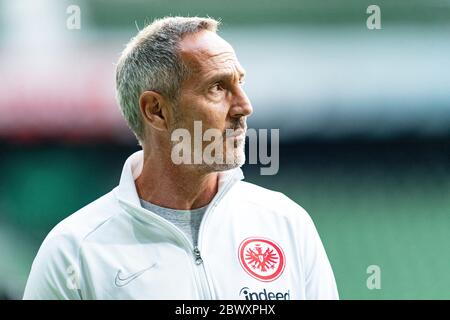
column 261, row 258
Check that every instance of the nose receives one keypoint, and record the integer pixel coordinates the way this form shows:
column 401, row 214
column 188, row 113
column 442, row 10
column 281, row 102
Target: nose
column 241, row 105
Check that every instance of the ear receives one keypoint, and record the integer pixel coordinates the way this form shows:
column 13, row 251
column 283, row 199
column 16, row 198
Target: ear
column 154, row 109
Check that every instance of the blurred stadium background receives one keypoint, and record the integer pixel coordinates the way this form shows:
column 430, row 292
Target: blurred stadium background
column 364, row 118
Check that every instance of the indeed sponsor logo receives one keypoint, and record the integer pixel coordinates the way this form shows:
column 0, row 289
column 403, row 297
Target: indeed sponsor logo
column 264, row 295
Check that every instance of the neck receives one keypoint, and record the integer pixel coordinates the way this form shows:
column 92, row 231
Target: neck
column 175, row 186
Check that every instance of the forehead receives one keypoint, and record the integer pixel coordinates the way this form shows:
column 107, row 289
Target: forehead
column 205, row 50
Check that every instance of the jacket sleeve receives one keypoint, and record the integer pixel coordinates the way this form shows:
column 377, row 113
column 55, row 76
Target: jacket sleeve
column 320, row 281
column 55, row 273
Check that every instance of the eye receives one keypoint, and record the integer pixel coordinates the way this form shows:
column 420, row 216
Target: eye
column 217, row 87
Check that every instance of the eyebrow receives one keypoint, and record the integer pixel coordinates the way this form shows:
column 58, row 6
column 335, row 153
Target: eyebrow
column 224, row 75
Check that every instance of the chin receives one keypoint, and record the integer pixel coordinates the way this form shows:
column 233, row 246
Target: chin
column 238, row 159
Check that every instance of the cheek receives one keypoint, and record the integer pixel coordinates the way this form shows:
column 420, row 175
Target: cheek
column 211, row 114
column 216, row 120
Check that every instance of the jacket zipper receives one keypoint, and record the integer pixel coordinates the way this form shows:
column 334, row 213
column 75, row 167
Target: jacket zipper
column 195, row 253
column 204, row 281
column 211, row 208
column 202, row 276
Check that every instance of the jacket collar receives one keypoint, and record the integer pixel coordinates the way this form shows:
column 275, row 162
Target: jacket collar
column 126, row 191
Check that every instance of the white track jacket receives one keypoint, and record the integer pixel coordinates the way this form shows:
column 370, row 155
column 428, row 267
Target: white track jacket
column 254, row 244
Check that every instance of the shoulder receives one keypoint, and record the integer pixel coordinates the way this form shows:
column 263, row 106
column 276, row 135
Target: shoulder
column 62, row 244
column 271, row 201
column 86, row 220
column 57, row 261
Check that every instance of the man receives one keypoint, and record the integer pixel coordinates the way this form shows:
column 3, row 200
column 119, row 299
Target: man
column 189, row 230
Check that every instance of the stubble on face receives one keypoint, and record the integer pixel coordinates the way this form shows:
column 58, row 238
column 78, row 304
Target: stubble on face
column 232, row 146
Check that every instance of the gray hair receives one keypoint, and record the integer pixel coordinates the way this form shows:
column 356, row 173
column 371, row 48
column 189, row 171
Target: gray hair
column 150, row 61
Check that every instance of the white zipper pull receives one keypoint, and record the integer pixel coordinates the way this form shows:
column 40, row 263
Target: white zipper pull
column 198, row 257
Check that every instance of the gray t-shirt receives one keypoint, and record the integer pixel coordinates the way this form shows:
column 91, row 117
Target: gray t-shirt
column 187, row 220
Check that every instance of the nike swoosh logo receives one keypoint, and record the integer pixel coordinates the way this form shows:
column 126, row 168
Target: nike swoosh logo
column 123, row 281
